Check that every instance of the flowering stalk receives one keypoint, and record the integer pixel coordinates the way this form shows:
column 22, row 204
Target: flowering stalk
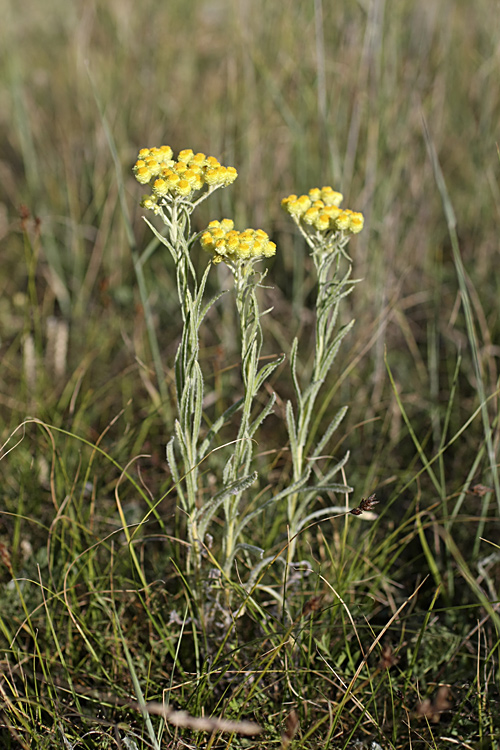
column 327, row 229
column 174, row 185
column 240, row 250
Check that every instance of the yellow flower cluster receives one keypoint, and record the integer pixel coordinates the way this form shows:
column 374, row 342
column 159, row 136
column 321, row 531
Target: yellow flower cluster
column 225, row 243
column 320, row 210
column 181, row 178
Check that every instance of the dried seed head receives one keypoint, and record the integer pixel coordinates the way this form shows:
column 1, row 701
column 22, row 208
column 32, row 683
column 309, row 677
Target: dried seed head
column 364, row 505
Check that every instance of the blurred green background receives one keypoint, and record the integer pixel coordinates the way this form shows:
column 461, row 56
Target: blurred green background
column 294, row 94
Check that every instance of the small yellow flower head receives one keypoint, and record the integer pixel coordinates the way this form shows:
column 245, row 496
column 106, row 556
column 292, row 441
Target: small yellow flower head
column 322, row 222
column 160, row 187
column 244, row 249
column 332, row 212
column 212, row 162
column 304, row 203
column 258, row 247
column 357, row 222
column 149, row 202
column 184, row 188
column 219, row 177
column 343, row 221
column 214, row 176
column 190, row 176
column 312, row 213
column 186, row 155
column 179, row 179
column 269, row 249
column 232, row 242
column 330, row 197
column 319, row 210
column 296, row 207
column 226, row 224
column 230, row 175
column 180, row 167
column 173, row 180
column 286, row 201
column 199, row 160
column 207, row 241
column 154, row 166
column 198, row 181
column 165, row 153
column 142, row 174
column 225, row 243
column 218, row 234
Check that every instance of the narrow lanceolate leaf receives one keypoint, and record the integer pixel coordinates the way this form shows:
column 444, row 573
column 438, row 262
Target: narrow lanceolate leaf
column 293, row 368
column 172, row 463
column 266, row 371
column 198, row 400
column 331, row 487
column 211, row 304
column 205, row 514
column 227, row 471
column 311, row 391
column 180, row 437
column 162, row 239
column 339, row 416
column 332, row 350
column 250, row 548
column 198, row 301
column 189, row 394
column 332, row 470
column 290, row 490
column 249, row 367
column 333, row 319
column 219, row 423
column 200, row 311
column 254, row 426
column 292, row 427
column 333, row 510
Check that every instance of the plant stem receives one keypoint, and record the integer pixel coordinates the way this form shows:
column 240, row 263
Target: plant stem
column 246, row 281
column 331, row 290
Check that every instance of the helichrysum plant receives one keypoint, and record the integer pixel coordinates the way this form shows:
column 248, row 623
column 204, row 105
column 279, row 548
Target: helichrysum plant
column 327, row 229
column 177, row 186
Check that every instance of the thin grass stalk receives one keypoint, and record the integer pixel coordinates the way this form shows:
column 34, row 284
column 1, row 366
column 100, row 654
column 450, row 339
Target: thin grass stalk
column 467, row 308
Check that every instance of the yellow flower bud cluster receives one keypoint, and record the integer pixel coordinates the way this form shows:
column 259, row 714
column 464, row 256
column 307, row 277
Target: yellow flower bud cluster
column 225, row 243
column 172, row 179
column 320, row 210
